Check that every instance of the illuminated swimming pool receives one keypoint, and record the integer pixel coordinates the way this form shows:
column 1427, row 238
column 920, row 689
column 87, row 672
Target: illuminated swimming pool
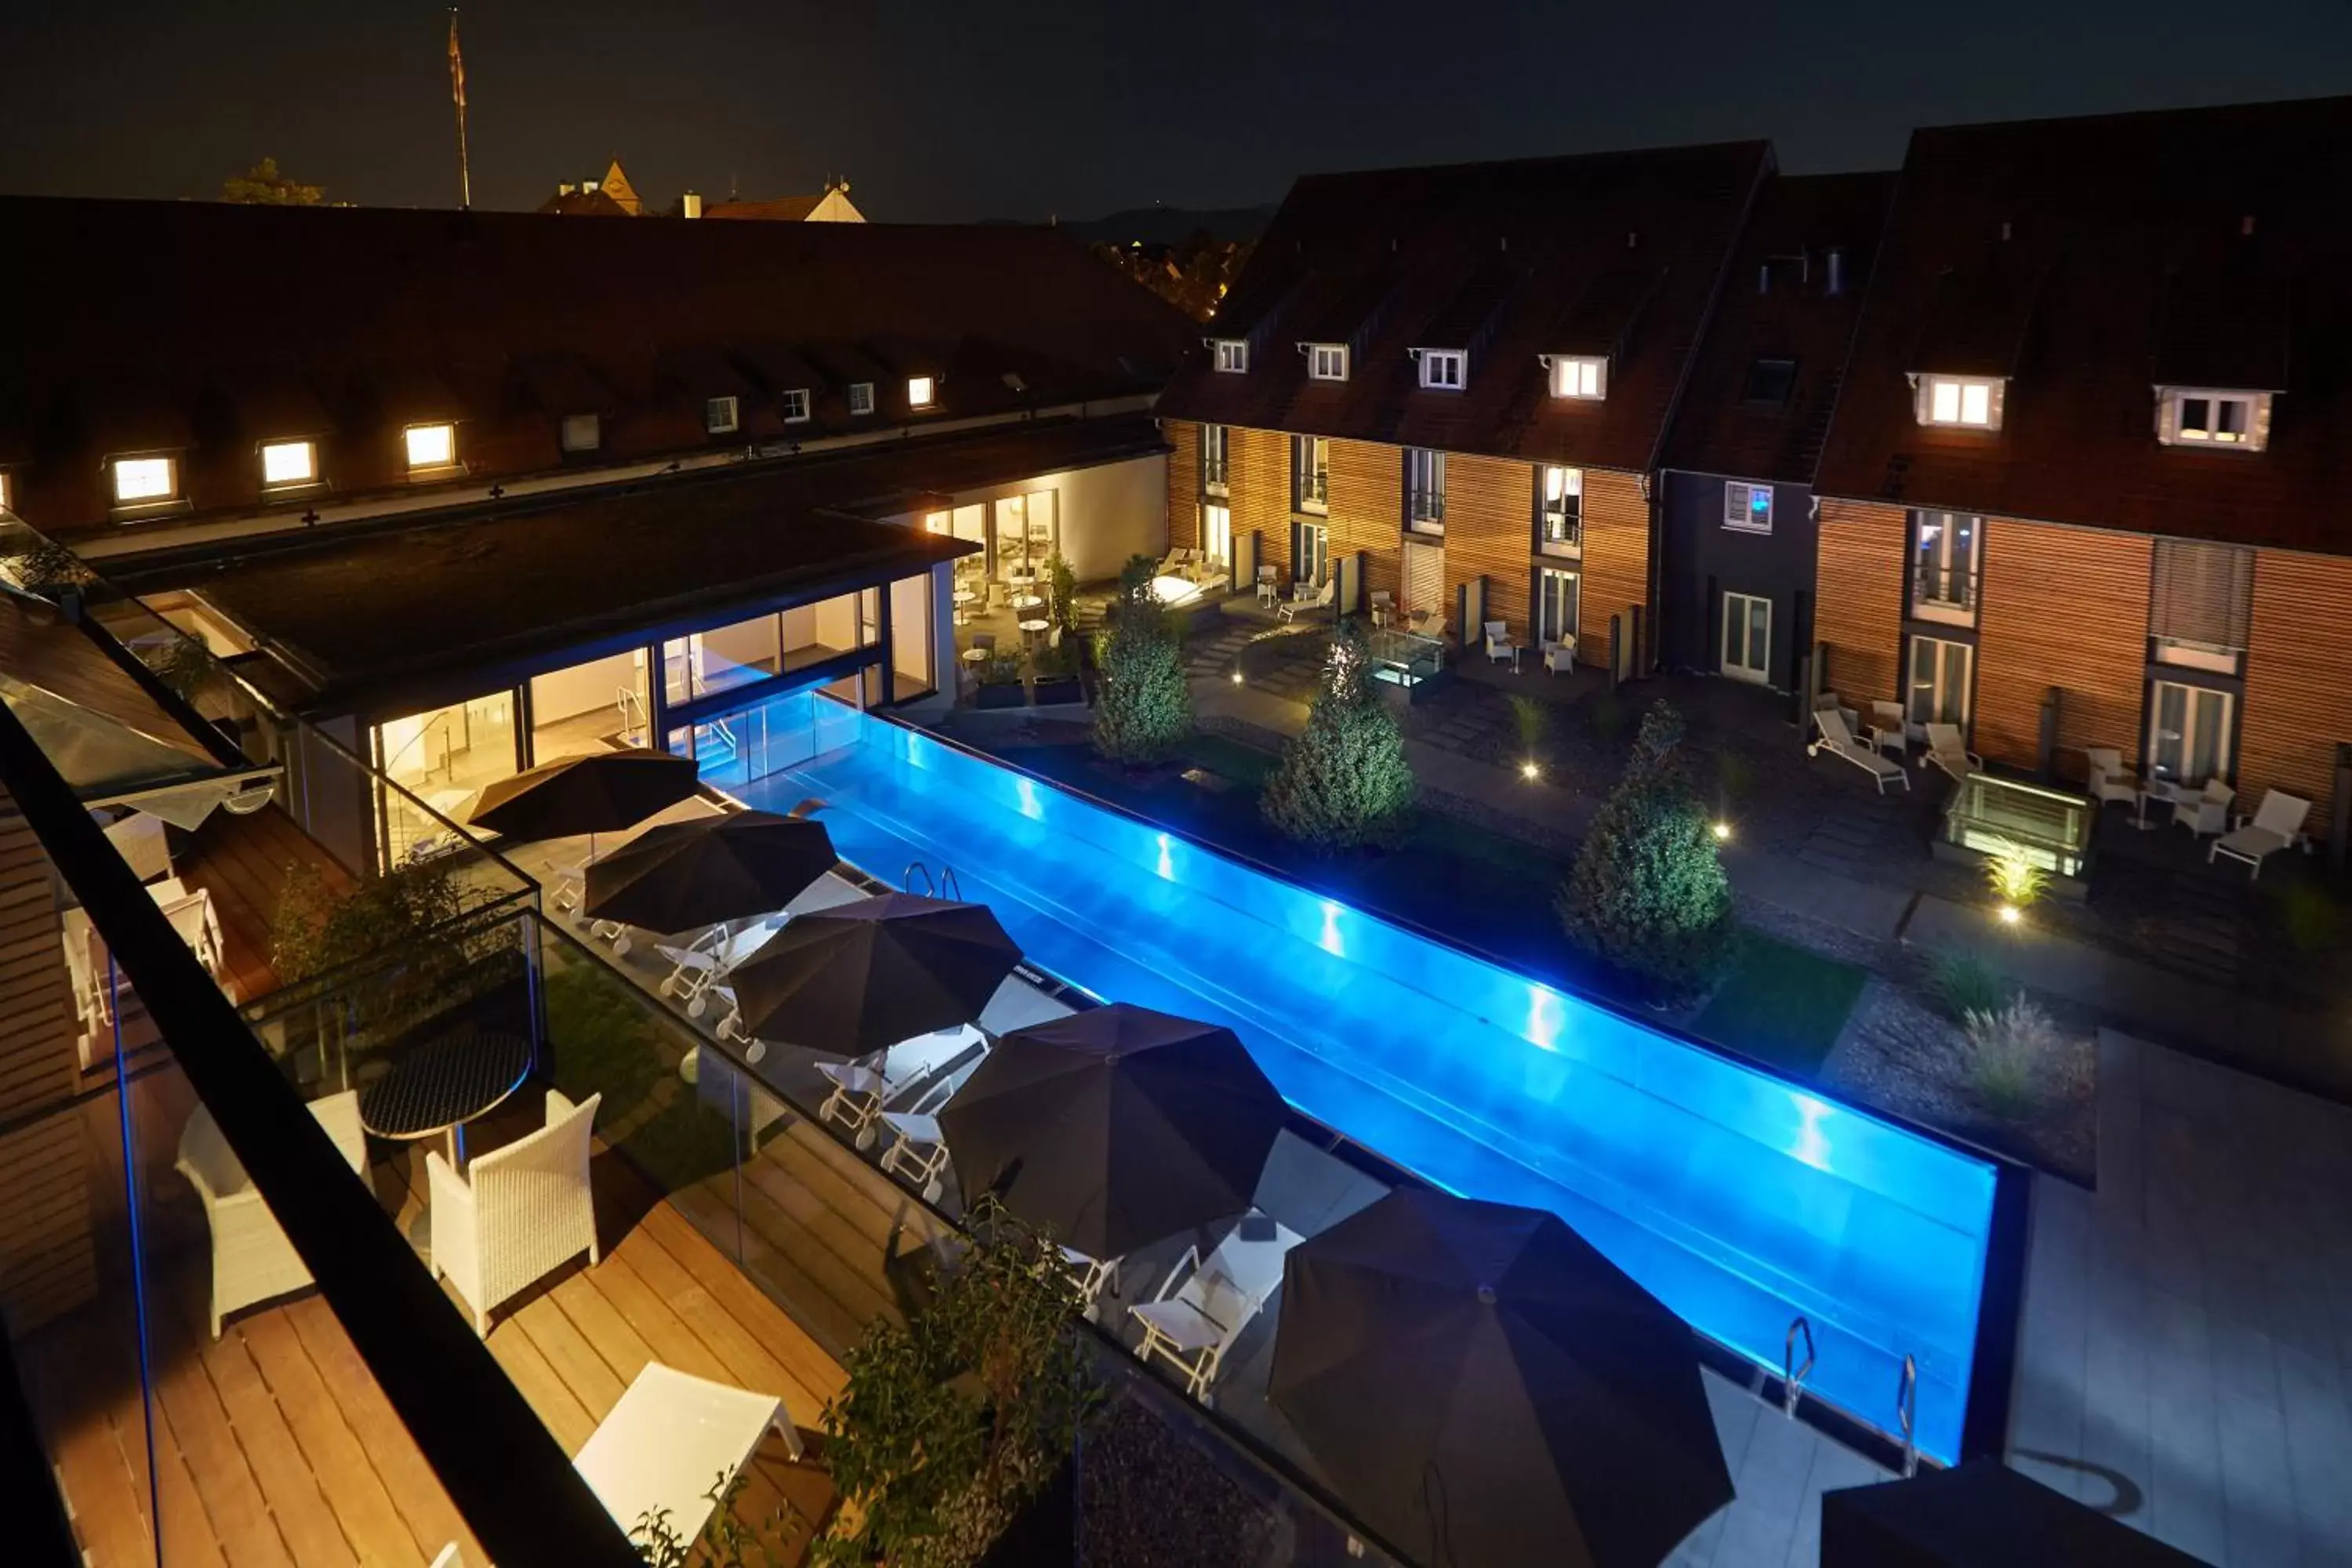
column 1738, row 1201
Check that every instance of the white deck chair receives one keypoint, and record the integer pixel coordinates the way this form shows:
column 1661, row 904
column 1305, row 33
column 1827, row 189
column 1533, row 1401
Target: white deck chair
column 2110, row 781
column 916, row 1151
column 192, row 916
column 252, row 1259
column 702, row 969
column 2277, row 823
column 1948, row 752
column 1840, row 741
column 518, row 1213
column 673, row 1440
column 1321, row 600
column 2206, row 811
column 1500, row 648
column 1204, row 1304
column 1093, row 1275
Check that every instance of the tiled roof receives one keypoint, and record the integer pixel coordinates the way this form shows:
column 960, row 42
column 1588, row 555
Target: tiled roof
column 784, row 209
column 1621, row 250
column 2091, row 259
column 1777, row 307
column 137, row 316
column 583, row 204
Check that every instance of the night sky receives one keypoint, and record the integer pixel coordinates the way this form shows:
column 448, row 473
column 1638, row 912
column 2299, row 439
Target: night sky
column 1004, row 108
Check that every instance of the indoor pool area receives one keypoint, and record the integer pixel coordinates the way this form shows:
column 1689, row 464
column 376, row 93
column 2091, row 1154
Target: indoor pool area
column 1742, row 1202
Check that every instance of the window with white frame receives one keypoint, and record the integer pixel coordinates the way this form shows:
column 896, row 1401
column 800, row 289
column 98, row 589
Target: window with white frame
column 1967, row 402
column 1945, row 551
column 1310, row 473
column 1748, row 509
column 1327, row 362
column 861, row 397
column 2188, row 733
column 429, row 446
column 139, row 481
column 1555, row 595
column 1214, row 442
column 794, row 401
column 1940, row 682
column 1217, row 534
column 920, row 391
column 2200, row 604
column 1559, row 509
column 1424, row 489
column 1579, row 375
column 1443, row 370
column 722, row 415
column 285, row 464
column 582, row 432
column 2195, row 416
column 1232, row 356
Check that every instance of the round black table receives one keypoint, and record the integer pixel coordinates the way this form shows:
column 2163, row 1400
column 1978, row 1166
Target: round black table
column 443, row 1084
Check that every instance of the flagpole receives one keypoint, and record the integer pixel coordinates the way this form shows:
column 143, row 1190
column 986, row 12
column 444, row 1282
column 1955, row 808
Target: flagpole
column 458, row 94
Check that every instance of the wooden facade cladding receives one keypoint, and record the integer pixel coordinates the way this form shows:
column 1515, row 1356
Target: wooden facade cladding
column 1366, row 512
column 1490, row 532
column 1258, row 467
column 1183, row 483
column 2298, row 700
column 2065, row 607
column 1858, row 599
column 1616, row 571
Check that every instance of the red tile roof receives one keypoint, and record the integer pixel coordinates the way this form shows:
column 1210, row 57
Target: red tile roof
column 2092, row 260
column 149, row 311
column 784, row 209
column 1602, row 252
column 1777, row 307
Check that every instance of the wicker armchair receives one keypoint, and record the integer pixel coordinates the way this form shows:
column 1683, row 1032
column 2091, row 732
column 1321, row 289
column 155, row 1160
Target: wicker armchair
column 518, row 1213
column 252, row 1259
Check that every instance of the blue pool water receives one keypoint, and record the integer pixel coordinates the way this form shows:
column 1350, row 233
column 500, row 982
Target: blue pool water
column 1738, row 1200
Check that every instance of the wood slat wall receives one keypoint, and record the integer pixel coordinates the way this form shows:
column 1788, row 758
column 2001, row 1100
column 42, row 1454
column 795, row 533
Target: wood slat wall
column 1616, row 574
column 1858, row 599
column 1490, row 533
column 2298, row 681
column 1258, row 476
column 2065, row 607
column 1368, row 510
column 1183, row 483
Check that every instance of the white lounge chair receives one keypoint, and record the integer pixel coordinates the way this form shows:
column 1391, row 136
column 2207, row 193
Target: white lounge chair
column 1093, row 1275
column 192, row 916
column 1840, row 741
column 1299, row 601
column 2110, row 780
column 672, row 1441
column 1268, row 590
column 916, row 1151
column 1888, row 732
column 252, row 1259
column 1429, row 624
column 1204, row 1303
column 1500, row 648
column 2206, row 811
column 1383, row 606
column 702, row 968
column 1948, row 752
column 517, row 1213
column 1560, row 657
column 2277, row 823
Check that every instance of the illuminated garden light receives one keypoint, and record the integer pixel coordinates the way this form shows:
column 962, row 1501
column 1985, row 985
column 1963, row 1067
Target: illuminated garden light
column 1722, row 832
column 1528, row 770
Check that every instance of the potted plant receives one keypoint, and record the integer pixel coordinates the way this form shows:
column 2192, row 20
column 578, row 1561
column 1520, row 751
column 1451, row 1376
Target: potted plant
column 1056, row 675
column 1000, row 681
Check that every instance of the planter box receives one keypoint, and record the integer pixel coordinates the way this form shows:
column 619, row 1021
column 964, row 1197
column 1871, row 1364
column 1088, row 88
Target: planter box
column 1056, row 692
column 1000, row 697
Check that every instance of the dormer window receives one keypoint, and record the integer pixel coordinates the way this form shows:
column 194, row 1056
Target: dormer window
column 1748, row 509
column 2201, row 416
column 1231, row 355
column 1965, row 402
column 721, row 416
column 920, row 390
column 139, row 481
column 861, row 397
column 1582, row 376
column 582, row 433
column 1327, row 362
column 430, row 446
column 286, row 465
column 794, row 401
column 1443, row 370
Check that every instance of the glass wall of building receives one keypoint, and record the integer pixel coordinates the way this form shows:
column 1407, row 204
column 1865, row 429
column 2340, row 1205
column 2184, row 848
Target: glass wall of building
column 445, row 754
column 911, row 654
column 591, row 707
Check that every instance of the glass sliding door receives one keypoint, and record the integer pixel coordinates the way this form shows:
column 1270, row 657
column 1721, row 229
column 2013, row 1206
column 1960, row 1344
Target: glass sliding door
column 2188, row 733
column 1938, row 690
column 1748, row 638
column 1310, row 545
column 1217, row 535
column 592, row 707
column 1556, row 597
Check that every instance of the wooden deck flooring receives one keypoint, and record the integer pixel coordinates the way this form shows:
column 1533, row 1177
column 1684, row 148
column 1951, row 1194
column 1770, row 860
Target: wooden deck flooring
column 274, row 1446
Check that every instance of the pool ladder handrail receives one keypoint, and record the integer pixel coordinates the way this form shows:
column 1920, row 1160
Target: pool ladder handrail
column 1907, row 1405
column 945, row 886
column 1792, row 1376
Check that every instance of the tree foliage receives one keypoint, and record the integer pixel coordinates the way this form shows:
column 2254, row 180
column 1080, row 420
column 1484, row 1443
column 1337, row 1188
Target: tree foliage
column 1143, row 708
column 951, row 1421
column 264, row 185
column 1343, row 781
column 1193, row 275
column 1647, row 894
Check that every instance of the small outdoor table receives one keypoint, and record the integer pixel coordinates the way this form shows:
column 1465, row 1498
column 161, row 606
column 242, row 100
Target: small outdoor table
column 437, row 1088
column 2156, row 790
column 1032, row 628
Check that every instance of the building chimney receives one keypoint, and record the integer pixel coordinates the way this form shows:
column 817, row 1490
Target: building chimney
column 690, row 205
column 1834, row 284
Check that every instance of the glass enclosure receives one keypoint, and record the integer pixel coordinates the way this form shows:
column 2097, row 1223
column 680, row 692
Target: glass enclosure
column 446, row 753
column 1995, row 815
column 589, row 708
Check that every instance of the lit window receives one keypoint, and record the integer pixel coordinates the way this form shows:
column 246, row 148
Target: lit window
column 1560, row 523
column 582, row 432
column 797, row 405
column 861, row 397
column 919, row 392
column 721, row 416
column 1579, row 375
column 1747, row 507
column 1970, row 402
column 1232, row 356
column 1327, row 362
column 937, row 521
column 2208, row 418
column 288, row 463
column 144, row 479
column 1424, row 489
column 1443, row 369
column 432, row 445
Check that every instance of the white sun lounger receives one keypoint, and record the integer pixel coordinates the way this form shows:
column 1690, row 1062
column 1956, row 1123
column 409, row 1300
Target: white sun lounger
column 1204, row 1304
column 1839, row 740
column 1948, row 752
column 671, row 1441
column 2277, row 823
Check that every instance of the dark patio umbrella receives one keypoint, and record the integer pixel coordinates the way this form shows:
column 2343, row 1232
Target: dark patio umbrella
column 861, row 977
column 1115, row 1127
column 708, row 870
column 1486, row 1390
column 602, row 792
column 1981, row 1515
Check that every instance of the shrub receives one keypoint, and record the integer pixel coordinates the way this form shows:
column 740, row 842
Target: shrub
column 1963, row 983
column 2013, row 877
column 1343, row 782
column 1064, row 590
column 1143, row 708
column 2007, row 1050
column 1647, row 894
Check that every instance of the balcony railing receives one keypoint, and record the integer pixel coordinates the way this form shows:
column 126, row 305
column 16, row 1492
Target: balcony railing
column 1943, row 587
column 1214, row 476
column 1313, row 490
column 1425, row 511
column 1561, row 534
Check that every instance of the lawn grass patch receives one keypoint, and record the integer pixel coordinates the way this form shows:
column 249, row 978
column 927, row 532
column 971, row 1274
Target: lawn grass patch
column 1781, row 1005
